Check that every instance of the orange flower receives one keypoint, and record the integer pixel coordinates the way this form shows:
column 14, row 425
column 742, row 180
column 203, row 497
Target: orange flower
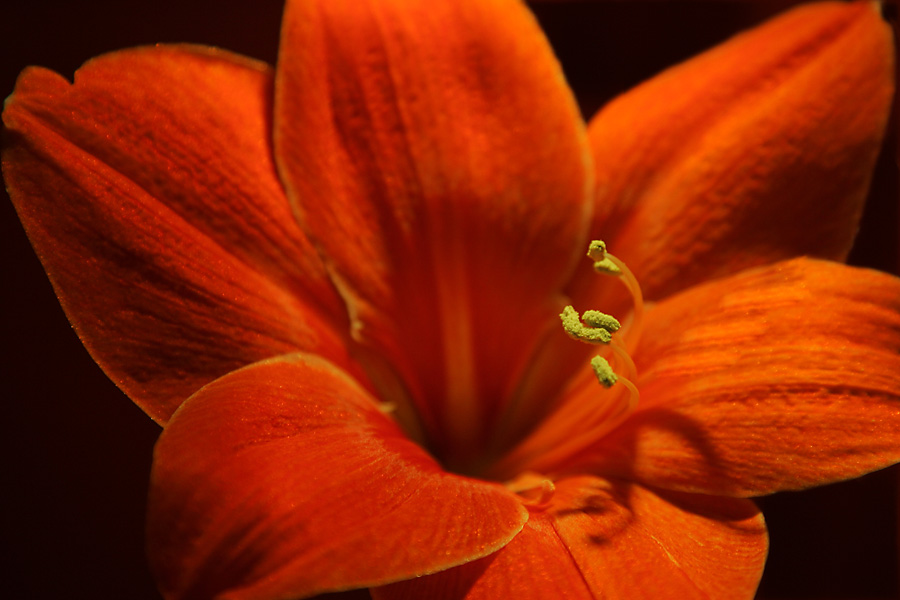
column 344, row 309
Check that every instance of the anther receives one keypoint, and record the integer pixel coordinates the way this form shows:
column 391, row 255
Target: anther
column 607, row 267
column 602, row 263
column 583, row 423
column 599, row 328
column 597, row 319
column 597, row 250
column 603, row 371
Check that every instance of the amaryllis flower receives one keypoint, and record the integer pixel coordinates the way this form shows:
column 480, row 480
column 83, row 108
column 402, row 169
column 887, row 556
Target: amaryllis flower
column 338, row 285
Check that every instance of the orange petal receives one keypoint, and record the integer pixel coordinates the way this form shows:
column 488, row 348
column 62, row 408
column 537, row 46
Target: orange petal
column 439, row 161
column 285, row 479
column 776, row 379
column 602, row 539
column 148, row 191
column 759, row 150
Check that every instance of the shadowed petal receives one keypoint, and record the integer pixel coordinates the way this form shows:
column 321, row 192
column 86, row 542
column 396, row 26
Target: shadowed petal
column 601, row 539
column 439, row 162
column 285, row 479
column 763, row 149
column 148, row 191
column 776, row 379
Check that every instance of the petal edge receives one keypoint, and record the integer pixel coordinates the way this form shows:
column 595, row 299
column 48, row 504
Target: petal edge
column 274, row 480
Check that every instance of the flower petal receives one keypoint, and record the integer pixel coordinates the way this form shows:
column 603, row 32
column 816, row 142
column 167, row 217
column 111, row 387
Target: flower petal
column 602, row 539
column 148, row 191
column 759, row 150
column 285, row 479
column 776, row 379
column 439, row 162
column 762, row 150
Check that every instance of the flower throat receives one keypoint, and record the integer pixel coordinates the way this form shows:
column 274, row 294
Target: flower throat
column 583, row 417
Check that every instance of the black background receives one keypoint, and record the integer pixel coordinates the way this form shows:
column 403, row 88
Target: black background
column 76, row 452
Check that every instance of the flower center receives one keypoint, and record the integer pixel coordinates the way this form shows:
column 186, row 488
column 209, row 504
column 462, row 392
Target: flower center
column 595, row 327
column 585, row 414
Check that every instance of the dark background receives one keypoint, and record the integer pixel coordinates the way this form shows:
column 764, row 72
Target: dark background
column 76, row 452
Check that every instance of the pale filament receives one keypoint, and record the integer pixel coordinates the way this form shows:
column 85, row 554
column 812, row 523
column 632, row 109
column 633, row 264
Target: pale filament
column 623, row 359
column 632, row 332
column 591, row 433
column 591, row 414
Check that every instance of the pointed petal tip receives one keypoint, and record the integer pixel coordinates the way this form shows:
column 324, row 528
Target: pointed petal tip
column 762, row 150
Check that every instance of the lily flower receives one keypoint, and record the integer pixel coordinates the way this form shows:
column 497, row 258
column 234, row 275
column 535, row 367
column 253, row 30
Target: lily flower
column 338, row 285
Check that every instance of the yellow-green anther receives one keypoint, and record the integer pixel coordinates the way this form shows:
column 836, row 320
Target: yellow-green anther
column 571, row 322
column 597, row 250
column 602, row 263
column 603, row 371
column 596, row 327
column 595, row 318
column 607, row 267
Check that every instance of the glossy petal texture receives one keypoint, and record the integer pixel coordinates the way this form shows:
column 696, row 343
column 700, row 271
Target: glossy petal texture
column 763, row 150
column 439, row 162
column 776, row 379
column 148, row 191
column 284, row 479
column 613, row 540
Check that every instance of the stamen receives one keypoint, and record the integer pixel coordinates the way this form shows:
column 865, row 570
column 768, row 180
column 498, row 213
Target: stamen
column 606, row 263
column 597, row 250
column 595, row 421
column 598, row 327
column 633, row 396
column 633, row 333
column 591, row 434
column 587, row 417
column 623, row 357
column 602, row 263
column 603, row 371
column 607, row 267
column 607, row 421
column 583, row 414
